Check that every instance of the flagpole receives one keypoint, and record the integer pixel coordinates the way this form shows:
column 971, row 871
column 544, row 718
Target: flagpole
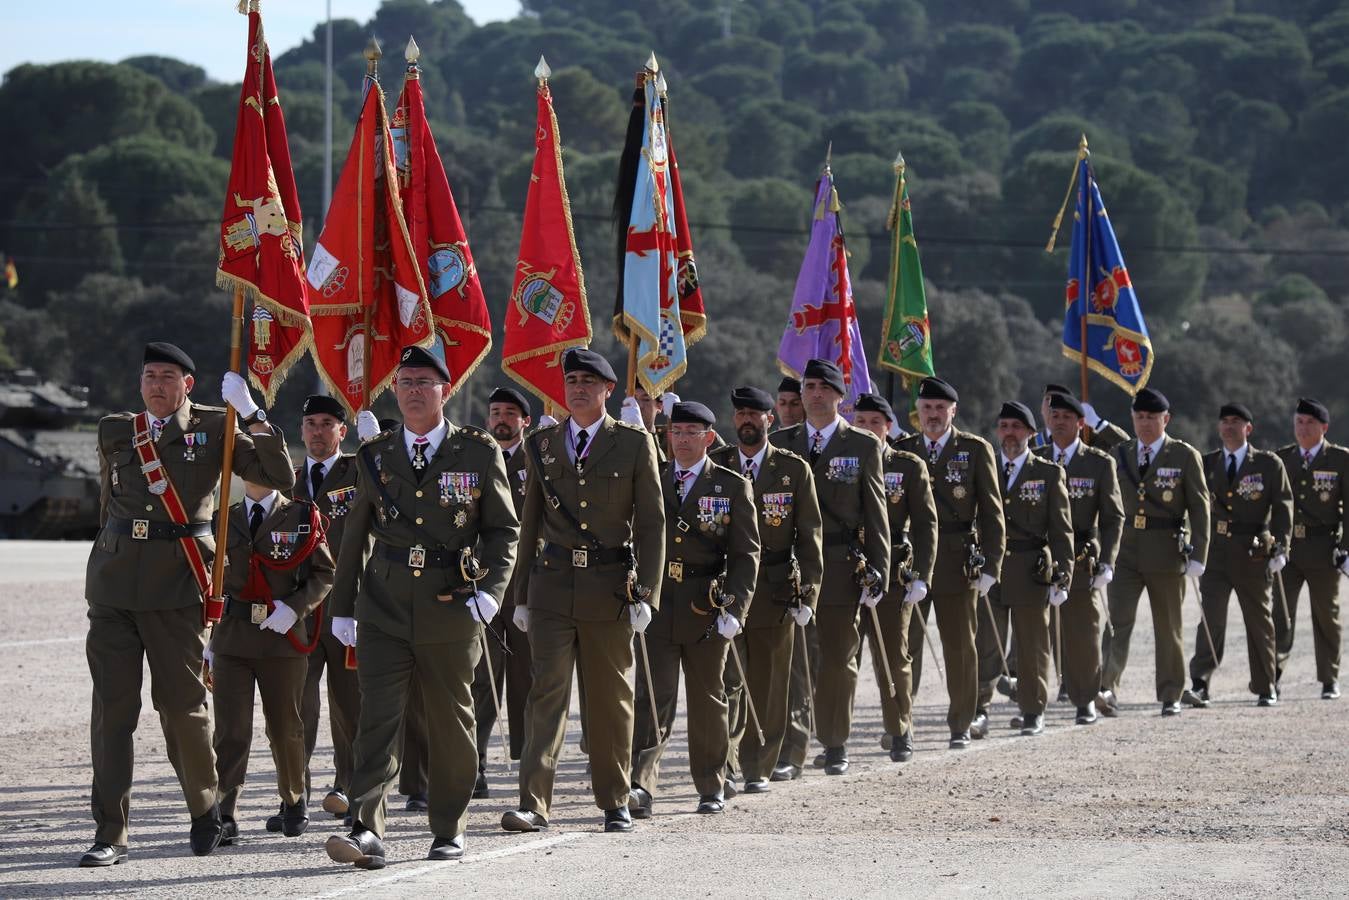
column 372, row 56
column 1083, row 153
column 217, row 598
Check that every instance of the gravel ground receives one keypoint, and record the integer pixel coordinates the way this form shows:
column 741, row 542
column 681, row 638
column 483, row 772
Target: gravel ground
column 1229, row 801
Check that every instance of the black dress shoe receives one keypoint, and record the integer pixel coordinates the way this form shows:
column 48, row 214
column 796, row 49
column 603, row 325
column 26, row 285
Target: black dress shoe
column 206, row 831
column 1196, row 697
column 758, row 786
column 1171, row 709
column 835, row 760
column 730, row 787
column 979, row 727
column 785, row 771
column 445, row 849
column 1007, row 687
column 229, row 831
column 522, row 820
column 617, row 820
column 335, row 803
column 416, row 803
column 1267, row 700
column 273, row 823
column 103, row 854
column 1032, row 724
column 1015, row 722
column 901, row 748
column 959, row 741
column 639, row 802
column 1330, row 690
column 887, row 741
column 294, row 819
column 1086, row 715
column 480, row 789
column 1063, row 693
column 711, row 804
column 1107, row 703
column 362, row 848
column 820, row 761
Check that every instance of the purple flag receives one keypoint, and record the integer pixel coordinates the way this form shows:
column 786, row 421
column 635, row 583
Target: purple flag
column 823, row 322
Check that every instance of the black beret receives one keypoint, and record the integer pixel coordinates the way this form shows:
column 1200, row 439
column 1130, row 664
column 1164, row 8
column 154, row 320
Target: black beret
column 1314, row 408
column 164, row 352
column 789, row 385
column 933, row 388
column 691, row 412
column 509, row 395
column 826, row 371
column 1151, row 400
column 1067, row 402
column 322, row 404
column 421, row 358
column 1240, row 410
column 751, row 398
column 1053, row 388
column 583, row 359
column 388, row 424
column 874, row 403
column 1012, row 409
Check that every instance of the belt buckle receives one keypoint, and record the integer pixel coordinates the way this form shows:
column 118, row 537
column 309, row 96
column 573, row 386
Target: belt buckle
column 1300, row 531
column 417, row 557
column 1221, row 526
column 580, row 559
column 140, row 529
column 257, row 613
column 1140, row 522
column 676, row 571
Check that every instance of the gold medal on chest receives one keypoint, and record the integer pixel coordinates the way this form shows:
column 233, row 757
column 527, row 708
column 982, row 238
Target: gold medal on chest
column 958, row 492
column 1168, row 496
column 460, row 519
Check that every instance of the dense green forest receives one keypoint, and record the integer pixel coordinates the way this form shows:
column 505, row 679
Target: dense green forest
column 1220, row 129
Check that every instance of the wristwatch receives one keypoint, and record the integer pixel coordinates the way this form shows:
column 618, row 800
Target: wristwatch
column 258, row 417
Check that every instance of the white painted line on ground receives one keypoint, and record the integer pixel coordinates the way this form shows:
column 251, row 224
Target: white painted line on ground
column 541, row 844
column 4, row 645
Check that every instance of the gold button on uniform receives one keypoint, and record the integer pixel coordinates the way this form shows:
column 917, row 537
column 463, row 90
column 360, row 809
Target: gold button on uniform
column 584, row 504
column 419, row 520
column 419, row 493
column 581, row 481
column 678, row 539
column 416, row 573
column 585, row 526
column 149, row 508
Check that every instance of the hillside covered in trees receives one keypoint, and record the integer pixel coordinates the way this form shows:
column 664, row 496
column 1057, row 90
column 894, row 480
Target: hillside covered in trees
column 1218, row 129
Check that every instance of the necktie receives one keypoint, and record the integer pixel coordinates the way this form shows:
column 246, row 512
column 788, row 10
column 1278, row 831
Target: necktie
column 157, row 428
column 1007, row 468
column 816, row 445
column 1146, row 462
column 749, row 469
column 1060, row 458
column 419, row 454
column 255, row 519
column 933, row 451
column 315, row 480
column 1306, row 459
column 682, row 477
column 1231, row 467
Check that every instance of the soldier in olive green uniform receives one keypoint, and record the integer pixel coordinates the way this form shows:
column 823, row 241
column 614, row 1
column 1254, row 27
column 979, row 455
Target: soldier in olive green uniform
column 846, row 463
column 433, row 497
column 965, row 487
column 1037, row 569
column 791, row 566
column 279, row 571
column 1104, row 435
column 1166, row 505
column 1319, row 471
column 593, row 542
column 711, row 563
column 145, row 603
column 1098, row 522
column 913, row 553
column 1252, row 525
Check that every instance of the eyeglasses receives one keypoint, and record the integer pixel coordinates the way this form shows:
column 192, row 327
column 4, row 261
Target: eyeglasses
column 418, row 384
column 680, row 433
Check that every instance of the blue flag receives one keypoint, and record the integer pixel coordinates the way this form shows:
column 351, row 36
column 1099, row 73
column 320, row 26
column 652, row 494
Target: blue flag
column 1099, row 291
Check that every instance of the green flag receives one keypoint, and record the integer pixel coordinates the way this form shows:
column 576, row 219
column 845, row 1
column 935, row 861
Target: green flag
column 906, row 344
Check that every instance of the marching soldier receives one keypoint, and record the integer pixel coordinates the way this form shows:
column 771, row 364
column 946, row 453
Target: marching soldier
column 790, row 568
column 434, row 498
column 328, row 479
column 1104, row 435
column 913, row 553
column 279, row 571
column 1252, row 525
column 1319, row 471
column 147, row 576
column 1166, row 507
column 1098, row 521
column 711, row 562
column 591, row 559
column 1037, row 569
column 507, row 419
column 846, row 463
column 970, row 542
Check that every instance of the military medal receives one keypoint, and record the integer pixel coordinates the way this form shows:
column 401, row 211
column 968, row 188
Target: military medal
column 1032, row 491
column 460, row 519
column 958, row 492
column 894, row 486
column 713, row 512
column 159, row 488
column 190, row 438
column 339, row 500
column 1168, row 496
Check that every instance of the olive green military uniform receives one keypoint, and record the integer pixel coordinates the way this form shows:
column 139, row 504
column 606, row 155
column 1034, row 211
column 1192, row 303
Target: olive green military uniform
column 789, row 530
column 913, row 553
column 713, row 530
column 1320, row 524
column 965, row 486
column 851, row 491
column 1170, row 497
column 1098, row 523
column 247, row 656
column 577, row 598
column 145, row 606
column 1039, row 545
column 335, row 495
column 406, row 634
column 1104, row 438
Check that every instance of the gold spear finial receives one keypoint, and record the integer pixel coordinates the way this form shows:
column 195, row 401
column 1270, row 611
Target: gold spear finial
column 1082, row 150
column 651, row 65
column 372, row 57
column 412, row 52
column 829, row 157
column 899, row 162
column 542, row 70
column 661, row 86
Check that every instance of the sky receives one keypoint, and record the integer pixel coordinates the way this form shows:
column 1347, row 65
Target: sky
column 208, row 33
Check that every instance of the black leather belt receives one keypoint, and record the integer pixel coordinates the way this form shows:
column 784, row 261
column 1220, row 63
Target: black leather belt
column 1025, row 545
column 1301, row 531
column 1155, row 523
column 419, row 557
column 254, row 612
column 584, row 557
column 145, row 530
column 678, row 570
column 1224, row 527
column 955, row 527
column 775, row 557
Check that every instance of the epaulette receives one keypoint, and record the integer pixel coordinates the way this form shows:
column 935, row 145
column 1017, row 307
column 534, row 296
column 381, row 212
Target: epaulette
column 971, row 436
column 388, row 432
column 202, row 407
column 1096, row 451
column 792, row 453
column 478, row 434
column 1288, row 448
column 631, row 426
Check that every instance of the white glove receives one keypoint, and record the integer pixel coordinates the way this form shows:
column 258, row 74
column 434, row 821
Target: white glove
column 868, row 599
column 1277, row 563
column 367, row 426
column 1103, row 577
column 917, row 591
column 1093, row 420
column 1194, row 568
column 667, row 402
column 639, row 614
column 234, row 391
column 985, row 584
column 631, row 413
column 209, row 655
column 802, row 614
column 1058, row 597
column 521, row 618
column 895, row 430
column 482, row 606
column 728, row 626
column 344, row 629
column 282, row 619
column 546, row 420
